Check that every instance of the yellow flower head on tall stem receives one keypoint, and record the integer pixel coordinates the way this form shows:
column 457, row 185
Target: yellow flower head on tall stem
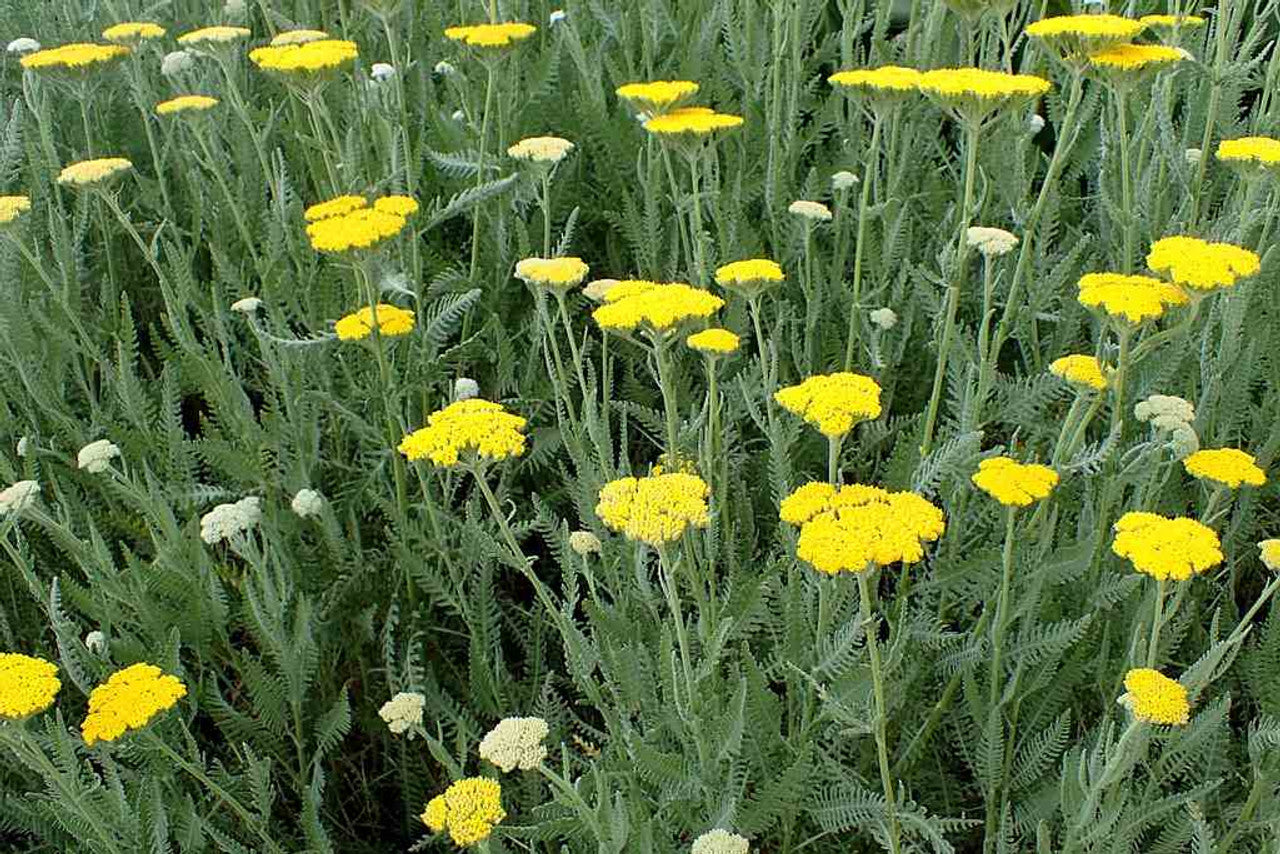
column 1200, row 265
column 833, row 403
column 558, row 275
column 491, row 35
column 1012, row 483
column 1083, row 372
column 751, row 277
column 209, row 36
column 659, row 309
column 364, row 228
column 12, row 208
column 401, row 206
column 129, row 700
column 656, row 510
column 89, row 174
column 1226, row 466
column 393, row 321
column 186, row 105
column 469, row 809
column 856, row 527
column 289, row 37
column 657, row 96
column 691, row 123
column 972, row 95
column 308, row 62
column 339, row 206
column 1075, row 36
column 1132, row 299
column 1251, row 154
column 1154, row 698
column 133, row 32
column 882, row 88
column 547, row 150
column 1172, row 22
column 714, row 342
column 1126, row 63
column 78, row 58
column 27, row 686
column 465, row 431
column 1269, row 552
column 1165, row 548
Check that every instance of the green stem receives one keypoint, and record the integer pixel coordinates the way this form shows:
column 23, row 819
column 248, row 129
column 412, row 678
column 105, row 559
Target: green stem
column 668, row 583
column 695, row 225
column 870, row 164
column 668, row 395
column 869, row 629
column 1000, row 626
column 1157, row 620
column 1126, row 180
column 833, row 459
column 1125, row 335
column 546, row 213
column 480, row 165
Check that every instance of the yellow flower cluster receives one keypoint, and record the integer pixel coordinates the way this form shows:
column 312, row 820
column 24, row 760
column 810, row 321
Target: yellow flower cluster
column 1172, row 21
column 555, row 274
column 655, row 510
column 186, row 104
column 491, row 35
column 129, row 700
column 12, row 207
column 1079, row 34
column 1135, row 57
column 654, row 307
column 214, row 35
column 1227, row 466
column 855, row 527
column 1250, row 151
column 1080, row 370
column 93, row 173
column 476, row 427
column 27, row 685
column 659, row 95
column 401, row 206
column 340, row 206
column 883, row 86
column 714, row 342
column 1155, row 698
column 307, row 60
column 1166, row 548
column 468, row 809
column 1133, row 298
column 833, row 403
column 750, row 277
column 1201, row 265
column 348, row 223
column 392, row 321
column 1269, row 552
column 976, row 92
column 132, row 32
column 691, row 121
column 1012, row 483
column 289, row 37
column 73, row 57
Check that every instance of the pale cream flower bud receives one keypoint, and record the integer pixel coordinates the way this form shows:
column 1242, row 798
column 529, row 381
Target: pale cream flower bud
column 584, row 543
column 403, row 711
column 515, row 743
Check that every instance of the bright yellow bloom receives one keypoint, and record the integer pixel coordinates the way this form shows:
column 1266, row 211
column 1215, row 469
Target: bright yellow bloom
column 556, row 274
column 186, row 104
column 833, row 403
column 491, row 35
column 1166, row 548
column 1269, row 551
column 1155, row 698
column 1136, row 57
column 1250, row 151
column 289, row 37
column 468, row 809
column 855, row 527
column 27, row 686
column 1172, row 21
column 884, row 87
column 477, row 427
column 691, row 121
column 974, row 93
column 360, row 229
column 93, row 173
column 655, row 510
column 653, row 307
column 714, row 342
column 1074, row 35
column 659, row 95
column 1080, row 370
column 751, row 277
column 1227, row 466
column 73, row 57
column 214, row 35
column 129, row 700
column 340, row 206
column 1133, row 298
column 1012, row 483
column 1202, row 265
column 12, row 207
column 309, row 60
column 132, row 32
column 401, row 206
column 541, row 149
column 392, row 321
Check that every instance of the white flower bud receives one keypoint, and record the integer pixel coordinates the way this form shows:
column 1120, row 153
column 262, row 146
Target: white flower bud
column 843, row 180
column 248, row 305
column 557, row 16
column 20, row 496
column 812, row 211
column 991, row 242
column 458, row 116
column 515, row 743
column 307, row 503
column 584, row 543
column 96, row 457
column 444, row 68
column 234, row 9
column 177, row 62
column 95, row 642
column 1035, row 123
column 24, row 446
column 720, row 841
column 403, row 711
column 885, row 318
column 381, row 71
column 465, row 388
column 1192, row 156
column 230, row 520
column 23, row 45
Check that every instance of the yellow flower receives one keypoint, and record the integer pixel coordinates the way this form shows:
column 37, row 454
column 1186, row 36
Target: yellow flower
column 653, row 307
column 309, row 61
column 1079, row 370
column 468, row 809
column 73, row 57
column 1227, row 466
column 885, row 87
column 1172, row 21
column 555, row 274
column 691, row 122
column 833, row 403
column 476, row 427
column 12, row 207
column 1250, row 151
column 1012, row 483
column 401, row 206
column 186, row 104
column 975, row 93
column 132, row 32
column 1269, row 551
column 659, row 95
column 541, row 149
column 340, row 206
column 1166, row 548
column 655, row 510
column 1202, row 265
column 360, row 229
column 27, row 686
column 714, row 342
column 1155, row 698
column 392, row 321
column 129, row 700
column 1133, row 298
column 1074, row 35
column 289, row 37
column 490, row 35
column 856, row 527
column 1136, row 57
column 214, row 35
column 751, row 277
column 93, row 173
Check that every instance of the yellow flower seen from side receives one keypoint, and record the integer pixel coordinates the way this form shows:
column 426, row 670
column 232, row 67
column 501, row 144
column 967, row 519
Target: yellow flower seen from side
column 974, row 93
column 339, row 206
column 491, row 35
column 1136, row 57
column 750, row 277
column 654, row 307
column 1012, row 483
column 659, row 95
column 1250, row 151
column 469, row 809
column 856, row 527
column 478, row 428
column 1166, row 548
column 1081, row 371
column 93, row 173
column 1134, row 299
column 308, row 60
column 554, row 274
column 691, row 122
column 74, row 57
column 132, row 32
column 401, row 206
column 1269, row 552
column 1227, row 466
column 13, row 207
column 129, row 700
column 1073, row 35
column 1172, row 21
column 392, row 321
column 884, row 87
column 214, row 35
column 1201, row 265
column 833, row 403
column 541, row 149
column 1154, row 698
column 186, row 104
column 714, row 342
column 27, row 685
column 655, row 510
column 289, row 37
column 361, row 229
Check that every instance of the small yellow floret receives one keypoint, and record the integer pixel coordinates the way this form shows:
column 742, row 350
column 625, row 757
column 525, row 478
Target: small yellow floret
column 653, row 307
column 1133, row 298
column 360, row 229
column 129, row 700
column 289, row 37
column 1166, row 548
column 1155, row 698
column 1012, row 483
column 12, row 207
column 833, row 403
column 92, row 173
column 186, row 104
column 1227, row 466
column 655, row 510
column 691, row 121
column 491, row 35
column 339, row 206
column 308, row 60
column 1250, row 150
column 1080, row 370
column 468, row 809
column 856, row 527
column 392, row 321
column 1172, row 21
column 886, row 80
column 476, row 427
column 214, row 35
column 1136, row 57
column 73, row 57
column 659, row 95
column 1202, row 265
column 401, row 206
column 556, row 274
column 27, row 686
column 133, row 31
column 714, row 342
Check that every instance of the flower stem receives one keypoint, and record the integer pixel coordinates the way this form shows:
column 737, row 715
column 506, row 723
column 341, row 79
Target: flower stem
column 870, row 163
column 1000, row 625
column 1157, row 620
column 480, row 165
column 1126, row 180
column 1125, row 335
column 881, row 722
column 668, row 394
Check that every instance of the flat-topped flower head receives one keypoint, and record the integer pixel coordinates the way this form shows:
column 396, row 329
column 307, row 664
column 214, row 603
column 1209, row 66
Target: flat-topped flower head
column 1201, row 265
column 1075, row 36
column 133, row 32
column 1171, row 22
column 655, row 308
column 392, row 321
column 78, row 58
column 750, row 278
column 714, row 342
column 289, row 37
column 973, row 94
column 1123, row 62
column 401, row 206
column 1083, row 372
column 27, row 685
column 1012, row 483
column 833, row 403
column 469, row 809
column 12, row 208
column 1269, row 552
column 541, row 149
column 339, row 206
column 226, row 522
column 558, row 275
column 129, row 700
column 1154, row 698
column 882, row 88
column 364, row 228
column 855, row 528
column 466, row 431
column 186, row 105
column 308, row 62
column 1226, row 466
column 213, row 36
column 21, row 495
column 691, row 123
column 90, row 174
column 990, row 242
column 491, row 36
column 812, row 212
column 720, row 841
column 1251, row 154
column 657, row 96
column 656, row 510
column 403, row 712
column 515, row 743
column 96, row 456
column 1166, row 548
column 1132, row 299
